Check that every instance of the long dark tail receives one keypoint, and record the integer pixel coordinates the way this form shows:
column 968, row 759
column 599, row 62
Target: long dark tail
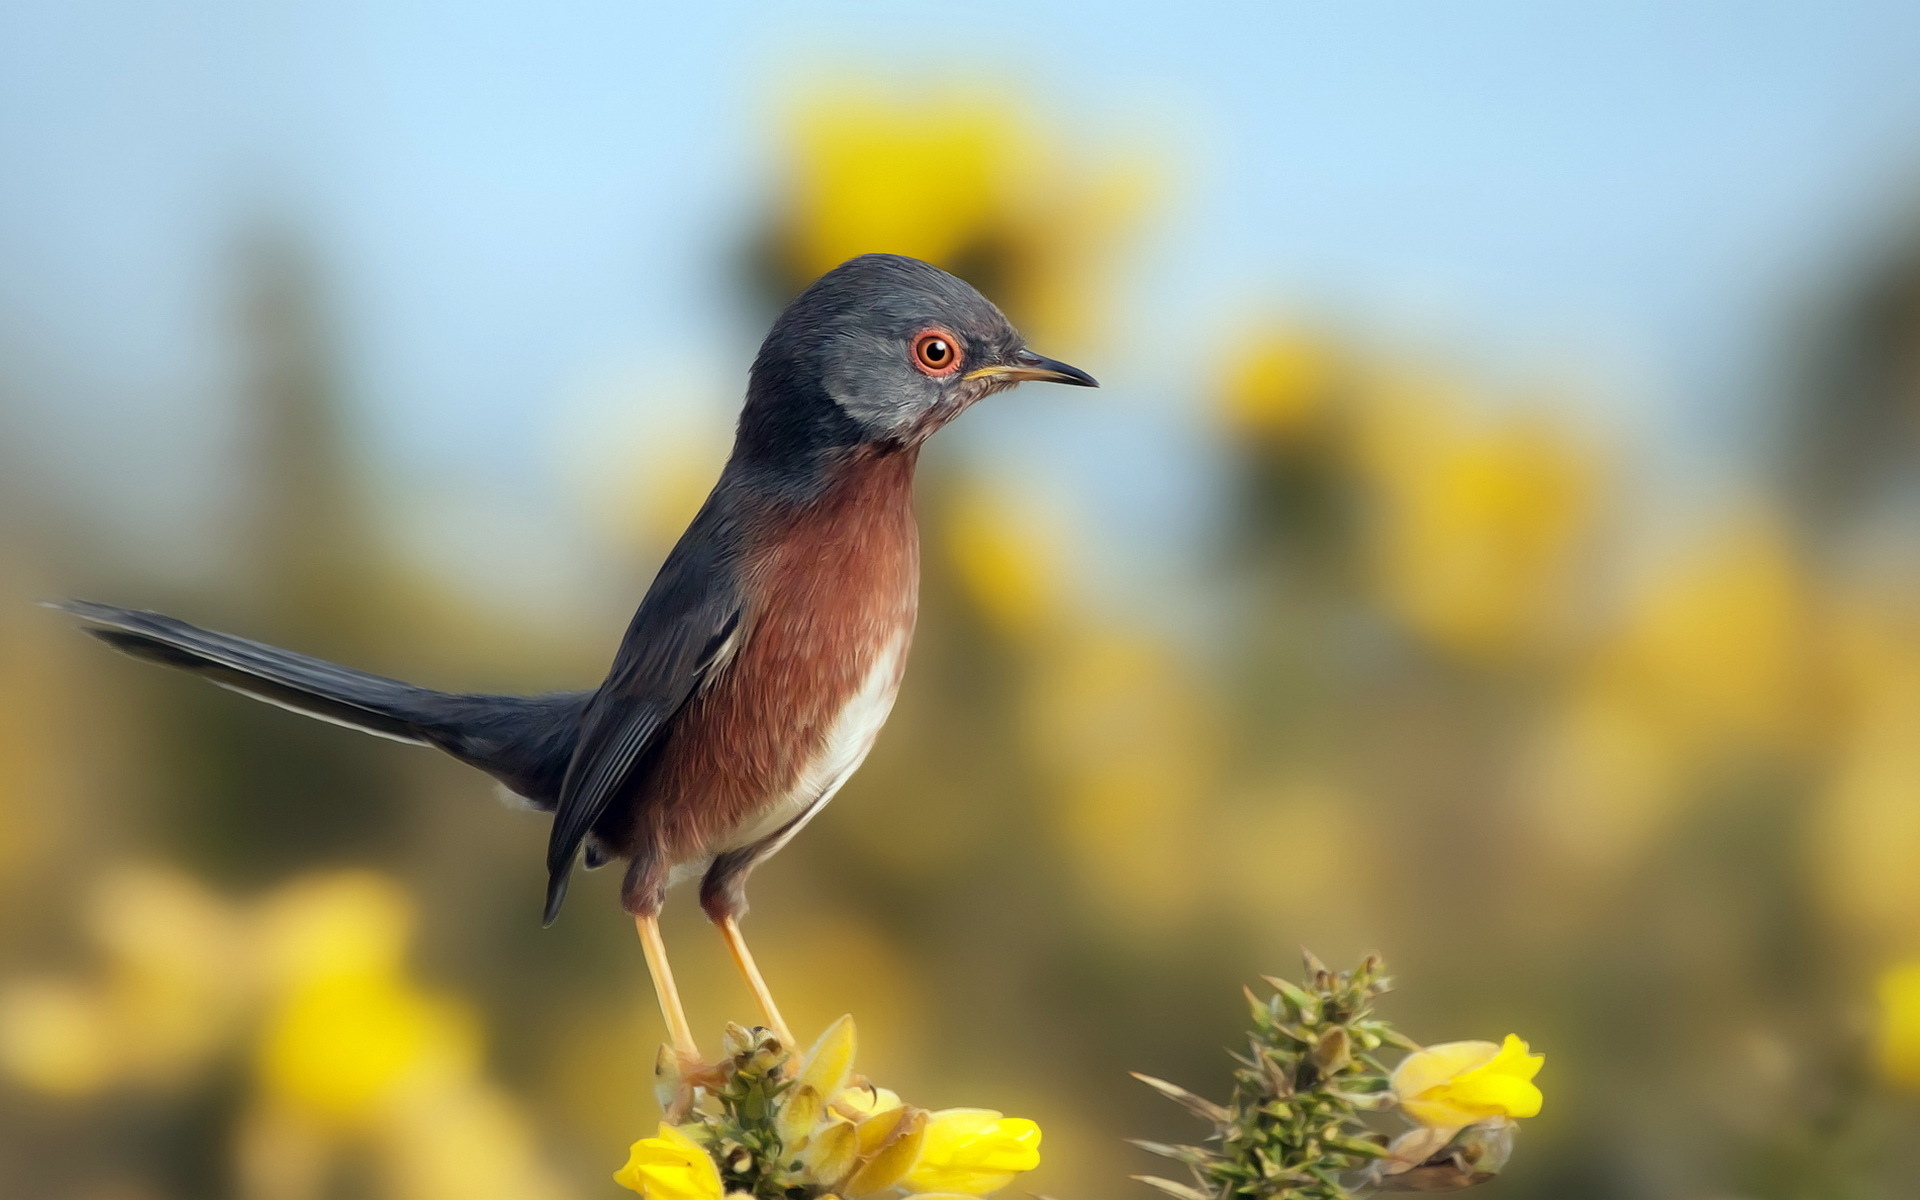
column 523, row 741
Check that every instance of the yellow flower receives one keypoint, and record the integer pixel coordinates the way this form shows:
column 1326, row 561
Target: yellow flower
column 867, row 1100
column 1008, row 561
column 55, row 1037
column 1281, row 386
column 347, row 1036
column 973, row 1151
column 821, row 1076
column 670, row 1166
column 349, row 1050
column 1461, row 1083
column 991, row 197
column 1479, row 521
column 1898, row 1048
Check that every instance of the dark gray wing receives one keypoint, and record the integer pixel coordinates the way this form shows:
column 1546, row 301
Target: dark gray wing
column 678, row 635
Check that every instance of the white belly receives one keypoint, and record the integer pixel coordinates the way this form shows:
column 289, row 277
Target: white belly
column 845, row 747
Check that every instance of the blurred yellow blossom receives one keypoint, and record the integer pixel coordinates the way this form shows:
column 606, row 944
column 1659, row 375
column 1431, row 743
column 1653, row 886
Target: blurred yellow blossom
column 349, row 1050
column 351, row 1045
column 960, row 179
column 1129, row 742
column 670, row 1166
column 1281, row 384
column 1711, row 661
column 177, row 968
column 1476, row 518
column 1460, row 1083
column 171, row 987
column 1603, row 778
column 329, row 926
column 1897, row 1047
column 56, row 1037
column 1118, row 722
column 1866, row 821
column 974, row 1151
column 925, row 180
column 1011, row 565
column 467, row 1142
column 1715, row 645
column 348, row 1037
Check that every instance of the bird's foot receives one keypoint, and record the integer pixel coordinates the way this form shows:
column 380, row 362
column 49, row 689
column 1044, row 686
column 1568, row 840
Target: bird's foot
column 678, row 1079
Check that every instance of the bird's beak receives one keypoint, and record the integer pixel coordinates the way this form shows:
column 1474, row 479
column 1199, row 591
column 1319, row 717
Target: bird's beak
column 1026, row 365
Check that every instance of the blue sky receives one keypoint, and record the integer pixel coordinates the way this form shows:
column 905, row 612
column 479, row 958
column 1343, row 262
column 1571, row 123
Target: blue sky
column 515, row 204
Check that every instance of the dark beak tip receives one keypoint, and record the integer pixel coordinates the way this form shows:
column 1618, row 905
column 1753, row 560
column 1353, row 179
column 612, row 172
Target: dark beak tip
column 1058, row 372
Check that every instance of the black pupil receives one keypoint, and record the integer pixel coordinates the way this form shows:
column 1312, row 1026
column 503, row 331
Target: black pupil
column 935, row 351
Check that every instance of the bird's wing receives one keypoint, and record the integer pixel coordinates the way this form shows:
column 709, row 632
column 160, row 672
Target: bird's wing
column 682, row 633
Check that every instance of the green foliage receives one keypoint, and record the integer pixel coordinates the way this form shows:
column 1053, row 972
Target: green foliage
column 1293, row 1128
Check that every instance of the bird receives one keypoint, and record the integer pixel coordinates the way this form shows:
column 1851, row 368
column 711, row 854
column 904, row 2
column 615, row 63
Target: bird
column 764, row 657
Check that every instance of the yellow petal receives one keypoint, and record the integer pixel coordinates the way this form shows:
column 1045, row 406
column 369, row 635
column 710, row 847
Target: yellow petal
column 831, row 1154
column 1898, row 1041
column 974, row 1151
column 1516, row 1059
column 1461, row 1083
column 1436, row 1065
column 800, row 1110
column 1496, row 1095
column 670, row 1166
column 891, row 1157
column 828, row 1064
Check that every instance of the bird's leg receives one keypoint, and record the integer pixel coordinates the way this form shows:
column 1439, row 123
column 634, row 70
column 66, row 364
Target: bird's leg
column 723, row 898
column 743, row 958
column 677, row 1028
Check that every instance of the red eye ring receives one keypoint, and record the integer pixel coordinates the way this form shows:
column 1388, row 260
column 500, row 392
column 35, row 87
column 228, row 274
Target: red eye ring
column 936, row 352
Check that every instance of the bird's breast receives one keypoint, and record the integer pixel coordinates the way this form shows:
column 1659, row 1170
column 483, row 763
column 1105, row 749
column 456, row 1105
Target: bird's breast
column 836, row 755
column 831, row 590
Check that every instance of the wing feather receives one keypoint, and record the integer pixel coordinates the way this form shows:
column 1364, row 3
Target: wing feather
column 680, row 637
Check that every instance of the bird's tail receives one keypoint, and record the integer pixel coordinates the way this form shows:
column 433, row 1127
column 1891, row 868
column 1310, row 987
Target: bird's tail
column 523, row 741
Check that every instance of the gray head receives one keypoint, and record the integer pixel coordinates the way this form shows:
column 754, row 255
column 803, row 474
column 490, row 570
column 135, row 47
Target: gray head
column 882, row 349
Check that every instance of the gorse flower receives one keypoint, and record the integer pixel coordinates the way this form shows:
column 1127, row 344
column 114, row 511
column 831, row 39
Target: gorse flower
column 1294, row 1130
column 349, row 1053
column 670, row 1166
column 1897, row 1047
column 1461, row 1083
column 755, row 1128
column 974, row 1151
column 994, row 198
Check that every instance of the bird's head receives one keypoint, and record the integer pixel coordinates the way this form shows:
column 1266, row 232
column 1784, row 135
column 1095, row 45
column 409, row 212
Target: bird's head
column 885, row 349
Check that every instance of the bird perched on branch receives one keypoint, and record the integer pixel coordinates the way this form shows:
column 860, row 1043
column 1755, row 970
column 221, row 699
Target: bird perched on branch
column 766, row 654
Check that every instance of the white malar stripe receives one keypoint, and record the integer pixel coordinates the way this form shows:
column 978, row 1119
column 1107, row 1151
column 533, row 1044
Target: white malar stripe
column 853, row 733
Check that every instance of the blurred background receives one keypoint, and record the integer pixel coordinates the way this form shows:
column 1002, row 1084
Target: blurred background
column 1494, row 546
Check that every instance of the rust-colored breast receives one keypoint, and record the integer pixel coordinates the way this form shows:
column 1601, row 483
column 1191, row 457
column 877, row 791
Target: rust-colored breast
column 832, row 591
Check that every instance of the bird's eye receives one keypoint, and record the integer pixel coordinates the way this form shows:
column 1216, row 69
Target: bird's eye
column 936, row 352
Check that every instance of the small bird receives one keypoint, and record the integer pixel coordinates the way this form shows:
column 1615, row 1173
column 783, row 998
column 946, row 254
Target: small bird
column 766, row 654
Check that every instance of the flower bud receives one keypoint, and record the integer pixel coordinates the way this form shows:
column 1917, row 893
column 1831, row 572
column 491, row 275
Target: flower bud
column 1462, row 1083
